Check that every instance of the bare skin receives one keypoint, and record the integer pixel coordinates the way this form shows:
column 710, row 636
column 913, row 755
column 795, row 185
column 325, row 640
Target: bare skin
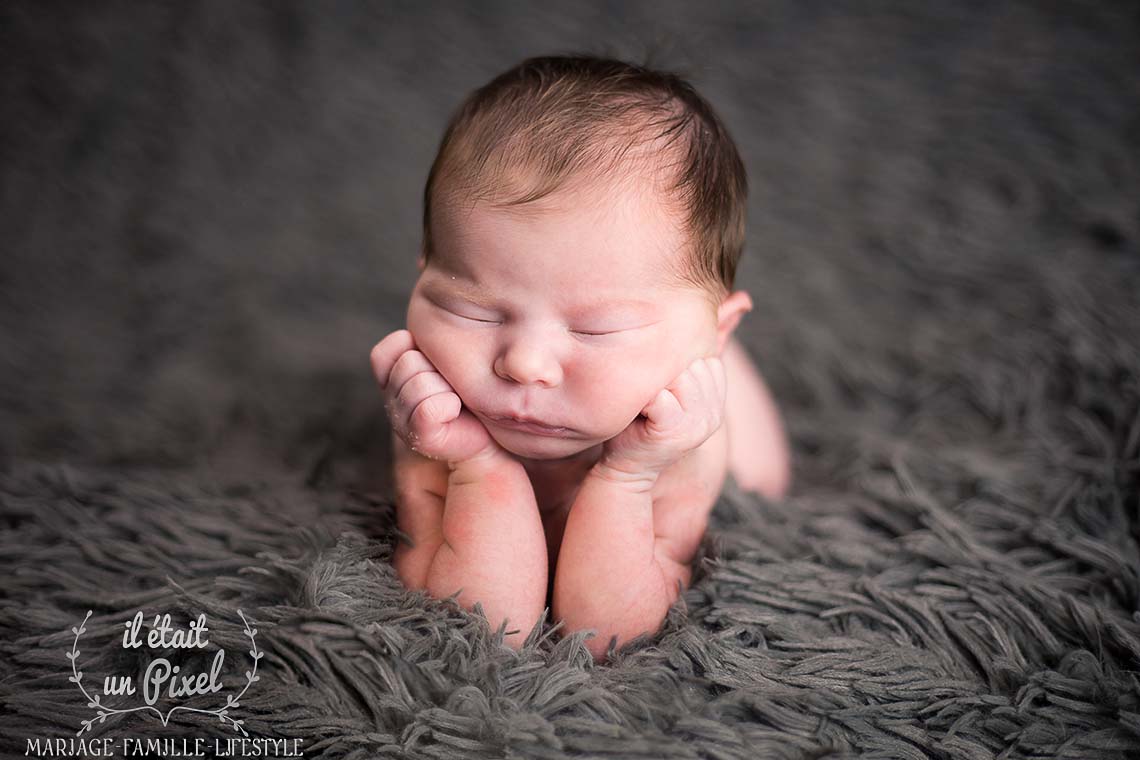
column 568, row 317
column 606, row 536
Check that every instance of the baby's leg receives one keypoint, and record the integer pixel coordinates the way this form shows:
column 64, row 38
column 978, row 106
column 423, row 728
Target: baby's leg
column 757, row 445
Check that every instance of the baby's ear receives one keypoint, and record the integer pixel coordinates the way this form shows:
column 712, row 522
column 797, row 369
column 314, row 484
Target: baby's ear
column 732, row 309
column 421, row 262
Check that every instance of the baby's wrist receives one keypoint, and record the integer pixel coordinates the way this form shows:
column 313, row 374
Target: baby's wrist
column 489, row 457
column 626, row 474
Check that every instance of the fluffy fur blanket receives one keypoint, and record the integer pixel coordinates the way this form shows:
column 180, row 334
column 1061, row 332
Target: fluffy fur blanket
column 210, row 215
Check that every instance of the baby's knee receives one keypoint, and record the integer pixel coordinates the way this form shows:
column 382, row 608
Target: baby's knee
column 771, row 479
column 759, row 456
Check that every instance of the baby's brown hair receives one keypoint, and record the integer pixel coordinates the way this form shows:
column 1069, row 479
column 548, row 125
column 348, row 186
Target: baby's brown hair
column 552, row 119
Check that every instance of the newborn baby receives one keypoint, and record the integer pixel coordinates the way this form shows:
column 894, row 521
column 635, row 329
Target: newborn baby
column 567, row 397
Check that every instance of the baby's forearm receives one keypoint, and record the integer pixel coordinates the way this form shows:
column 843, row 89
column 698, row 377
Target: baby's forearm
column 609, row 576
column 494, row 548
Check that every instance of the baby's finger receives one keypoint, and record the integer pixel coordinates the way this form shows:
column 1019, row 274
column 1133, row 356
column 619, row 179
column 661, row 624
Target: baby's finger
column 703, row 372
column 408, row 366
column 720, row 376
column 421, row 386
column 430, row 415
column 664, row 410
column 688, row 385
column 709, row 372
column 385, row 354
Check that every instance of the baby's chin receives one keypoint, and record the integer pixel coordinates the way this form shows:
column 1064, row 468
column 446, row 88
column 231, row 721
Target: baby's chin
column 541, row 447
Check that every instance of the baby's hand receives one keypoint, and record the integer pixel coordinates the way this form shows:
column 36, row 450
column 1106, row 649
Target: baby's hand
column 679, row 419
column 424, row 409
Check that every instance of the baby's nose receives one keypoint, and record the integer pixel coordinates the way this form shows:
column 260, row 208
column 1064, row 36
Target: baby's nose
column 529, row 362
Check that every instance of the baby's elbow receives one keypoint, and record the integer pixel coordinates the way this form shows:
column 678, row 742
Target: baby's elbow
column 604, row 636
column 608, row 623
column 412, row 564
column 615, row 636
column 599, row 647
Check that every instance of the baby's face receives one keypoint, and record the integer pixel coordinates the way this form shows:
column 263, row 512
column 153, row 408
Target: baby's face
column 564, row 312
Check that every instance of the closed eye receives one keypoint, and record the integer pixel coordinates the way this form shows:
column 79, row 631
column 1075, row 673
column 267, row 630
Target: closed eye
column 602, row 333
column 476, row 319
column 470, row 319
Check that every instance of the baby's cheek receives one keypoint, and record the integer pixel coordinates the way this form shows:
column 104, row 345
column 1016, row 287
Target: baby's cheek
column 435, row 343
column 432, row 337
column 615, row 404
column 452, row 367
column 433, row 347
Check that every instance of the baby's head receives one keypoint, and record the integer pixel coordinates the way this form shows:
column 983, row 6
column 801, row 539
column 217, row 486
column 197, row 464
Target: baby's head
column 574, row 123
column 582, row 224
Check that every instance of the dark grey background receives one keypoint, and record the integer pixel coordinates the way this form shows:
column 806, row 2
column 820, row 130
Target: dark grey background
column 210, row 213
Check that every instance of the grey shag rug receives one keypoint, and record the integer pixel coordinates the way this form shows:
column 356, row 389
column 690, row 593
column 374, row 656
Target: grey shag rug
column 210, row 215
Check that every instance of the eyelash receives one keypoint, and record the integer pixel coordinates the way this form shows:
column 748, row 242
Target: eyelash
column 589, row 334
column 580, row 333
column 594, row 334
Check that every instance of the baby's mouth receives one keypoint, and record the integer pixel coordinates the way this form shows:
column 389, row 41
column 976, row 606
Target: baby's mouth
column 527, row 425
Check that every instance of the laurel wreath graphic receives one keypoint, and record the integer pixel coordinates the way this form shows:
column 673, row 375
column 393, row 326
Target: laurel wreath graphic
column 103, row 711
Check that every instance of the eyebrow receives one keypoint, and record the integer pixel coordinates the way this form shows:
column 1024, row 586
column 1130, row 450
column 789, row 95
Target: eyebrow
column 635, row 308
column 474, row 293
